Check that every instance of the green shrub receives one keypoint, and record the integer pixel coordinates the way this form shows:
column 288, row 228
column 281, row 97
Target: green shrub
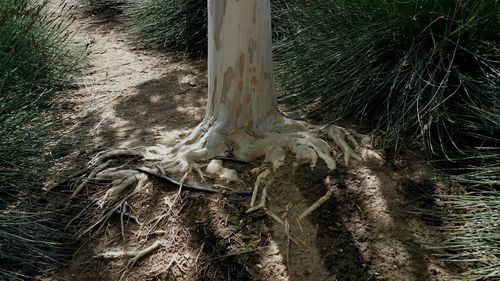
column 35, row 63
column 426, row 69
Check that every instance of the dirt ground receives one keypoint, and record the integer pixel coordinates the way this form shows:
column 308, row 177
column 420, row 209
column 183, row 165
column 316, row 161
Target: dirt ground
column 369, row 230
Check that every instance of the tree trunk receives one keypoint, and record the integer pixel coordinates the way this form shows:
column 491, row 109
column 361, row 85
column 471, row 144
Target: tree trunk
column 242, row 119
column 240, row 68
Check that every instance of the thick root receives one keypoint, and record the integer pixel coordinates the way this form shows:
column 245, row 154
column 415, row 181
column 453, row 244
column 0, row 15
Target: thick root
column 299, row 139
column 216, row 168
column 84, row 182
column 339, row 135
column 273, row 148
column 270, row 142
column 360, row 151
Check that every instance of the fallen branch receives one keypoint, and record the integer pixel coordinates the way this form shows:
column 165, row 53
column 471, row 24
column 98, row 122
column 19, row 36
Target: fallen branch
column 318, row 203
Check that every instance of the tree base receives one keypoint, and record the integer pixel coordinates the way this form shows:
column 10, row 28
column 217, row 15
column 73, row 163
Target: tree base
column 270, row 142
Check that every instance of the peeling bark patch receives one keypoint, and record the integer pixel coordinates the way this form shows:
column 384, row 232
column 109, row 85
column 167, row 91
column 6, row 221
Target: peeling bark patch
column 242, row 65
column 218, row 14
column 228, row 80
column 238, row 111
column 255, row 81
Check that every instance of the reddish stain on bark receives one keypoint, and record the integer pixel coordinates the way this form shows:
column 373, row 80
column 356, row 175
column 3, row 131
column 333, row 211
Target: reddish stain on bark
column 238, row 111
column 218, row 13
column 228, row 80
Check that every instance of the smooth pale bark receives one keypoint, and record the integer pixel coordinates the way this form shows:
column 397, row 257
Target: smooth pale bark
column 240, row 65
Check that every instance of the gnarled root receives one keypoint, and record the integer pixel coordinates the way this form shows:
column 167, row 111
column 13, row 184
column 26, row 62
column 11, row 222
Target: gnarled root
column 271, row 142
column 358, row 150
column 339, row 135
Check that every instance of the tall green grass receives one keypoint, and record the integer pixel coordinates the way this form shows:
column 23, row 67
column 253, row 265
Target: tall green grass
column 424, row 68
column 181, row 25
column 174, row 25
column 421, row 72
column 104, row 7
column 35, row 64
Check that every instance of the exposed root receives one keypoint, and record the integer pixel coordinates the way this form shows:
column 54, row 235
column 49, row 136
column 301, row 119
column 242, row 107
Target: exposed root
column 263, row 199
column 258, row 181
column 84, row 182
column 102, row 157
column 270, row 142
column 125, row 206
column 215, row 168
column 134, row 256
column 358, row 150
column 288, row 238
column 198, row 257
column 339, row 135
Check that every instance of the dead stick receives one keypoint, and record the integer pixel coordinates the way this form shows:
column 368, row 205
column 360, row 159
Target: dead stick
column 280, row 221
column 317, row 204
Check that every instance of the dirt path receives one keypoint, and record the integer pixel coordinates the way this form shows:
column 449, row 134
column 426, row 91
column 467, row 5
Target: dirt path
column 127, row 97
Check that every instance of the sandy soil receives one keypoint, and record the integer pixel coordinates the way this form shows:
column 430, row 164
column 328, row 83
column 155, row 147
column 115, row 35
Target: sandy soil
column 126, row 97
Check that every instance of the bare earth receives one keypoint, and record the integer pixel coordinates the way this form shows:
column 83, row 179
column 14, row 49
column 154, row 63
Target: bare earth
column 127, row 97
